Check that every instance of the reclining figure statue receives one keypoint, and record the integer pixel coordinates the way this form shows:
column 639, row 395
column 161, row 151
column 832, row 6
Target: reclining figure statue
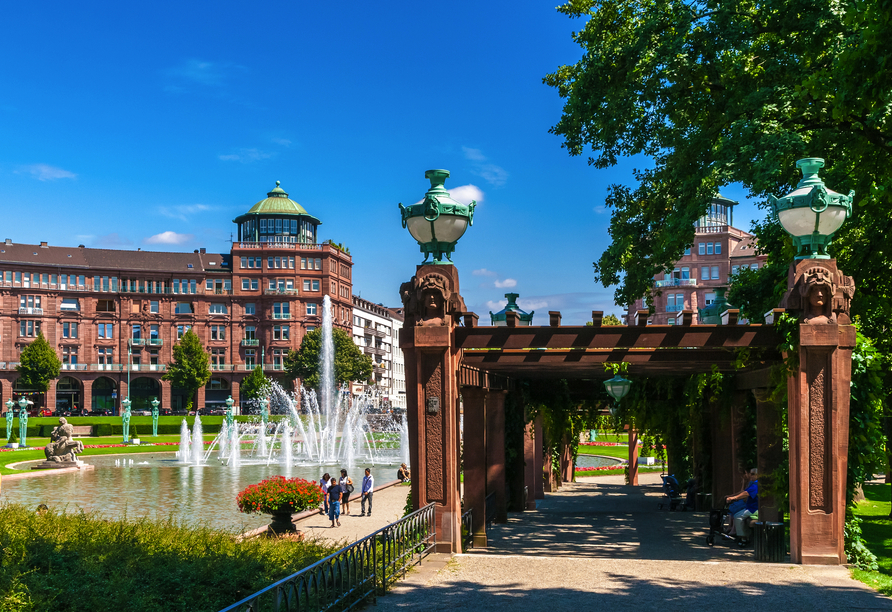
column 63, row 447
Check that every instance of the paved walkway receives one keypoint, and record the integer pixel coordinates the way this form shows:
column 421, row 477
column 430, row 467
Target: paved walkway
column 598, row 545
column 388, row 507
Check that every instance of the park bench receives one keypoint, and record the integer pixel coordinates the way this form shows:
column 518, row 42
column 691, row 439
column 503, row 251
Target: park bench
column 82, row 430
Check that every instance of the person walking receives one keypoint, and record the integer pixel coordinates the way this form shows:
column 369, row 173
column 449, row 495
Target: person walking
column 324, row 484
column 346, row 484
column 334, row 502
column 368, row 486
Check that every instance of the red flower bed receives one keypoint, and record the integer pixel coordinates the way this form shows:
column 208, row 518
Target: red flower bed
column 619, row 466
column 271, row 495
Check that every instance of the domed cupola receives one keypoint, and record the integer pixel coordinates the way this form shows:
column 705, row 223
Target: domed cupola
column 277, row 219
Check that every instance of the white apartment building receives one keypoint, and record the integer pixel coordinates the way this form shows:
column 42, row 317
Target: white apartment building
column 376, row 332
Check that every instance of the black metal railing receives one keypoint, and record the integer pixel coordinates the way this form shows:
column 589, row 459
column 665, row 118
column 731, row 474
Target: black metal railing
column 467, row 530
column 490, row 508
column 352, row 575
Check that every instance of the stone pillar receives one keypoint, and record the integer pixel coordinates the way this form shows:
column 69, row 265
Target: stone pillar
column 49, row 398
column 87, row 393
column 199, row 399
column 432, row 307
column 566, row 460
column 122, row 395
column 530, row 471
column 770, row 453
column 818, row 410
column 633, row 457
column 475, row 459
column 725, row 480
column 495, row 452
column 165, row 395
column 234, row 391
column 538, row 468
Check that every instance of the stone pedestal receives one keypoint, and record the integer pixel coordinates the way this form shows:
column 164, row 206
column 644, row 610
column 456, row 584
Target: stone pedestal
column 475, row 460
column 59, row 465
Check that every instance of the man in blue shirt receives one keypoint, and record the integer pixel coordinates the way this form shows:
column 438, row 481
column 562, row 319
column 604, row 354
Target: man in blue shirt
column 368, row 485
column 751, row 494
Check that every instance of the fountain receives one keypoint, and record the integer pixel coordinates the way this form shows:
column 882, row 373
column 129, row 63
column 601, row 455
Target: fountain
column 197, row 442
column 185, row 453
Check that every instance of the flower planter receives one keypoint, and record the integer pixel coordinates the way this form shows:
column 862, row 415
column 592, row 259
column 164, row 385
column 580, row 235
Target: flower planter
column 280, row 497
column 134, row 440
column 282, row 522
column 13, row 445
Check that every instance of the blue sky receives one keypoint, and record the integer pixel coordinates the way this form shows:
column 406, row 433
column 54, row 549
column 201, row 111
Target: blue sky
column 153, row 125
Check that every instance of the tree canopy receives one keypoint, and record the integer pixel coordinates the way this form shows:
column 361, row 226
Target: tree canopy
column 190, row 366
column 254, row 384
column 715, row 93
column 38, row 365
column 351, row 365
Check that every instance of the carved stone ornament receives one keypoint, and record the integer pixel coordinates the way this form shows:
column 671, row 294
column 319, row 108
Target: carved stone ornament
column 430, row 301
column 821, row 294
column 63, row 448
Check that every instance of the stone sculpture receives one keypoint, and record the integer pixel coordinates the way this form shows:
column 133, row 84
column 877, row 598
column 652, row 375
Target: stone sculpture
column 63, row 448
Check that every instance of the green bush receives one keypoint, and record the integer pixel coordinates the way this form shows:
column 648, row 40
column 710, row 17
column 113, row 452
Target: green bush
column 103, row 429
column 13, row 437
column 81, row 561
column 133, row 433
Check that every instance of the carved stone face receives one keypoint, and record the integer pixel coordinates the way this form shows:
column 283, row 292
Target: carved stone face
column 818, row 297
column 432, row 300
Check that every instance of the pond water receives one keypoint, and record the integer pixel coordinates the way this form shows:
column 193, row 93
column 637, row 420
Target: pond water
column 156, row 485
column 596, row 461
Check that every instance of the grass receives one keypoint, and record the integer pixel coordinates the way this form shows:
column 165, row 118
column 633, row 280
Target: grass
column 876, row 531
column 619, row 471
column 73, row 562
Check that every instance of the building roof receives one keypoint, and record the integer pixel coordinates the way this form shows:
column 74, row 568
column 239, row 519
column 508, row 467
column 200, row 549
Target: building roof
column 277, row 202
column 745, row 248
column 110, row 259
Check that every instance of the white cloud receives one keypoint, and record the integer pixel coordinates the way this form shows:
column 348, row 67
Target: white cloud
column 246, row 156
column 168, row 238
column 473, row 154
column 495, row 175
column 506, row 284
column 600, row 209
column 282, row 141
column 530, row 305
column 209, row 74
column 43, row 172
column 483, row 272
column 181, row 211
column 496, row 305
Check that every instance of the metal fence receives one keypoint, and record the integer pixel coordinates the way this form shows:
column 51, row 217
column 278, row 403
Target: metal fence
column 352, row 575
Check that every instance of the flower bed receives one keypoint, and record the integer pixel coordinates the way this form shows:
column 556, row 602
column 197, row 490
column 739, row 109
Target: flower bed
column 269, row 496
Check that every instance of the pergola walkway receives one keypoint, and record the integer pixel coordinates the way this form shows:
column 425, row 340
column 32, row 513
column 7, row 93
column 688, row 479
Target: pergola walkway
column 598, row 544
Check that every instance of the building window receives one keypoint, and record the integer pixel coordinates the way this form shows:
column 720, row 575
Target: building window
column 687, row 251
column 281, row 310
column 217, row 308
column 303, row 263
column 105, row 306
column 153, row 332
column 153, row 357
column 311, row 328
column 250, row 309
column 715, row 273
column 29, row 301
column 105, row 331
column 218, row 357
column 701, row 248
column 105, row 356
column 311, row 308
column 281, row 332
column 250, row 357
column 718, row 248
column 269, row 263
column 704, row 273
column 137, row 332
column 184, row 308
column 734, row 269
column 29, row 329
column 70, row 304
column 685, row 273
column 311, row 285
column 153, row 306
column 709, row 248
column 244, row 262
column 246, row 284
column 754, row 266
column 250, row 332
column 208, row 285
column 710, row 298
column 181, row 330
column 69, row 330
column 278, row 358
column 69, row 355
column 291, row 263
column 218, row 332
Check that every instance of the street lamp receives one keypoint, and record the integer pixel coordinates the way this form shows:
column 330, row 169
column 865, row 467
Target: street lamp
column 617, row 388
column 10, row 415
column 438, row 221
column 811, row 213
column 229, row 417
column 155, row 404
column 125, row 416
column 23, row 420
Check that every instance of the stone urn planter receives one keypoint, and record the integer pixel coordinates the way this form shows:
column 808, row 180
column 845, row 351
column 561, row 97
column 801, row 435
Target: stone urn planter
column 134, row 440
column 282, row 522
column 13, row 445
column 281, row 498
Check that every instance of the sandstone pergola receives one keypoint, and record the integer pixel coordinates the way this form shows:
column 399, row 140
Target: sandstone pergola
column 448, row 355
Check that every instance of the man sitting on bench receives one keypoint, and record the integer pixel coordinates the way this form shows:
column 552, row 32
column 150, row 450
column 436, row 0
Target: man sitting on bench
column 751, row 495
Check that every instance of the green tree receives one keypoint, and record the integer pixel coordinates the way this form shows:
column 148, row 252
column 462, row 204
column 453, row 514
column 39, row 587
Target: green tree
column 350, row 364
column 189, row 369
column 38, row 365
column 715, row 93
column 610, row 319
column 254, row 384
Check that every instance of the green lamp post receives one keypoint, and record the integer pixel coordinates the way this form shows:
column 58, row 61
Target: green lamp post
column 125, row 418
column 264, row 410
column 23, row 421
column 811, row 213
column 155, row 404
column 10, row 415
column 229, row 418
column 438, row 221
column 617, row 388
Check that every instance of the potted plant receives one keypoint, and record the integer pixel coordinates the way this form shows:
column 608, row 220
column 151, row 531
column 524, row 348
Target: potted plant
column 134, row 437
column 280, row 497
column 13, row 441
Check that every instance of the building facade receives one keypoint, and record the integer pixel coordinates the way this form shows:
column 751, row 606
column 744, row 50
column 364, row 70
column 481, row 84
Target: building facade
column 718, row 252
column 114, row 316
column 376, row 330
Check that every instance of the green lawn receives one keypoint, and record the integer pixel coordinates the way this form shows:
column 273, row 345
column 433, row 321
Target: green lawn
column 641, row 470
column 877, row 533
column 620, row 452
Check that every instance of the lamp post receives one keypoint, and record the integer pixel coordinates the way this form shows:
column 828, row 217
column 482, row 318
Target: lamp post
column 23, row 420
column 125, row 416
column 438, row 221
column 10, row 415
column 155, row 404
column 617, row 388
column 229, row 417
column 811, row 213
column 264, row 411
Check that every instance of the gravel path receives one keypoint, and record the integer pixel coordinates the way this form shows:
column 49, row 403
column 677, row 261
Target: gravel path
column 598, row 544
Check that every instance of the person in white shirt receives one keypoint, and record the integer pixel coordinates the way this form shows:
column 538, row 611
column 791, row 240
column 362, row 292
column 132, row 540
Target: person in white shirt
column 324, row 484
column 347, row 487
column 368, row 487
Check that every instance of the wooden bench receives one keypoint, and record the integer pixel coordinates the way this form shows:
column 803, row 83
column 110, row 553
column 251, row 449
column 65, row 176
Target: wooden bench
column 82, row 430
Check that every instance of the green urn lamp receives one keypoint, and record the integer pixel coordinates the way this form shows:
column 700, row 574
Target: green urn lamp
column 155, row 404
column 23, row 421
column 617, row 388
column 10, row 415
column 125, row 418
column 438, row 221
column 229, row 417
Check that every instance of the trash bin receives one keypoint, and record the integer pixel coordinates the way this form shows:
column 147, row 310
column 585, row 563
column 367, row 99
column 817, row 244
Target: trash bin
column 704, row 502
column 770, row 542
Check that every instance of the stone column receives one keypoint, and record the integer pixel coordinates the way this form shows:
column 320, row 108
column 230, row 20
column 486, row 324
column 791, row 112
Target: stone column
column 770, row 453
column 475, row 460
column 538, row 468
column 725, row 472
column 49, row 397
column 165, row 395
column 495, row 451
column 88, row 393
column 432, row 306
column 566, row 460
column 530, row 471
column 199, row 399
column 234, row 391
column 633, row 457
column 818, row 410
